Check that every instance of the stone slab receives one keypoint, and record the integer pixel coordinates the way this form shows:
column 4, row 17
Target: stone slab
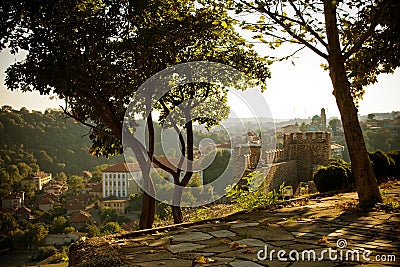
column 184, row 247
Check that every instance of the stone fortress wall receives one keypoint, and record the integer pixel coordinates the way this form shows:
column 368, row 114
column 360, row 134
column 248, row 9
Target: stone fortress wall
column 297, row 162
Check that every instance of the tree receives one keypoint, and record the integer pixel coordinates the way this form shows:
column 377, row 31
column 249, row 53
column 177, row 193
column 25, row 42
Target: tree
column 303, row 127
column 111, row 228
column 58, row 225
column 75, row 184
column 62, row 177
column 340, row 32
column 108, row 215
column 335, row 124
column 96, row 55
column 35, row 234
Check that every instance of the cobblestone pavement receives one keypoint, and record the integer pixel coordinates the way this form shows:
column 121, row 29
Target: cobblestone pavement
column 330, row 227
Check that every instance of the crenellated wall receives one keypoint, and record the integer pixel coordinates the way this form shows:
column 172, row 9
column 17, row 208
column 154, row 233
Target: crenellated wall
column 302, row 153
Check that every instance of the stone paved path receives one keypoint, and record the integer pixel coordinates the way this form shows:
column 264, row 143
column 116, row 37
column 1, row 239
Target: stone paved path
column 299, row 231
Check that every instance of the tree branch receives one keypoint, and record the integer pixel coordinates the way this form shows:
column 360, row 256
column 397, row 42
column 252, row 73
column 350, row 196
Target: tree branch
column 375, row 21
column 287, row 28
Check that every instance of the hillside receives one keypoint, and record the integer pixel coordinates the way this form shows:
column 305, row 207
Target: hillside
column 49, row 139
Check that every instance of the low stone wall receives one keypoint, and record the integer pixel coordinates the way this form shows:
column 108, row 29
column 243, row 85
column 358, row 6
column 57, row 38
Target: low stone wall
column 282, row 172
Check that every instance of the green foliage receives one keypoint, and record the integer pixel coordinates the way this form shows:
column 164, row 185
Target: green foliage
column 383, row 165
column 69, row 229
column 36, row 233
column 95, row 59
column 49, row 140
column 249, row 199
column 45, row 252
column 108, row 214
column 92, row 230
column 381, row 139
column 395, row 156
column 163, row 211
column 75, row 185
column 58, row 225
column 61, row 256
column 200, row 215
column 110, row 228
column 335, row 176
column 217, row 167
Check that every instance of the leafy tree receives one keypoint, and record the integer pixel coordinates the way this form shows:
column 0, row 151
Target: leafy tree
column 45, row 252
column 303, row 127
column 108, row 215
column 217, row 167
column 58, row 225
column 62, row 177
column 75, row 185
column 111, row 228
column 334, row 124
column 35, row 234
column 96, row 55
column 92, row 230
column 383, row 165
column 69, row 229
column 378, row 139
column 358, row 40
column 336, row 175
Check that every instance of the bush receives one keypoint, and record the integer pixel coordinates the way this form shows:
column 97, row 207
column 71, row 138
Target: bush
column 45, row 252
column 336, row 175
column 246, row 199
column 111, row 228
column 395, row 156
column 383, row 165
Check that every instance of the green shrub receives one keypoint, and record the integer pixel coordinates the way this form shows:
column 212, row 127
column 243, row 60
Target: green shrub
column 45, row 252
column 246, row 199
column 382, row 164
column 336, row 175
column 395, row 156
column 111, row 228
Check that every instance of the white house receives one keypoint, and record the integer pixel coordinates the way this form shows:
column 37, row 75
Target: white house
column 120, row 180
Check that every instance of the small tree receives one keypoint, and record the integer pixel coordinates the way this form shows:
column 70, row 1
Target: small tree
column 111, row 228
column 383, row 165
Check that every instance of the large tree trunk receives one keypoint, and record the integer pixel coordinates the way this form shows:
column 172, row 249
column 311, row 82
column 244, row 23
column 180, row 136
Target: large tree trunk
column 176, row 209
column 148, row 212
column 367, row 186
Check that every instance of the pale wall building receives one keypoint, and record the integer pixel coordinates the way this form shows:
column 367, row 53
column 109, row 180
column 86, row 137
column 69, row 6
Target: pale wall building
column 119, row 180
column 38, row 179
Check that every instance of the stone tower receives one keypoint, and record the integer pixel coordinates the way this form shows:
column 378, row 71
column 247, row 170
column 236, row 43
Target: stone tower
column 309, row 149
column 323, row 120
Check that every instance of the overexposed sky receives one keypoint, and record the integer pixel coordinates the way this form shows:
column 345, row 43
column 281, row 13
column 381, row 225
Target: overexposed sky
column 298, row 91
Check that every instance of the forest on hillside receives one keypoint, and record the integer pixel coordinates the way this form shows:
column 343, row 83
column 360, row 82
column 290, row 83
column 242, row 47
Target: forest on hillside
column 47, row 141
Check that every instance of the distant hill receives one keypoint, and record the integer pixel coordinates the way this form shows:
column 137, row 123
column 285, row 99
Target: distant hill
column 49, row 139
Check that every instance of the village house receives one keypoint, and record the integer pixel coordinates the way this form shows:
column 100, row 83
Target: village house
column 47, row 202
column 55, row 188
column 93, row 189
column 75, row 205
column 79, row 219
column 13, row 201
column 119, row 205
column 38, row 179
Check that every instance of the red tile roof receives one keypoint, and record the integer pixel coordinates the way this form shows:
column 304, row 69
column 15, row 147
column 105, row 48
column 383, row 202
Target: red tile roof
column 80, row 216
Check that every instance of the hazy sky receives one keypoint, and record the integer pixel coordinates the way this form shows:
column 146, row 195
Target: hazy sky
column 298, row 91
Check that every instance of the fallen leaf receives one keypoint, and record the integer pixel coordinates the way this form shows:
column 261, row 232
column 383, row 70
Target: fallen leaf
column 204, row 260
column 324, row 240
